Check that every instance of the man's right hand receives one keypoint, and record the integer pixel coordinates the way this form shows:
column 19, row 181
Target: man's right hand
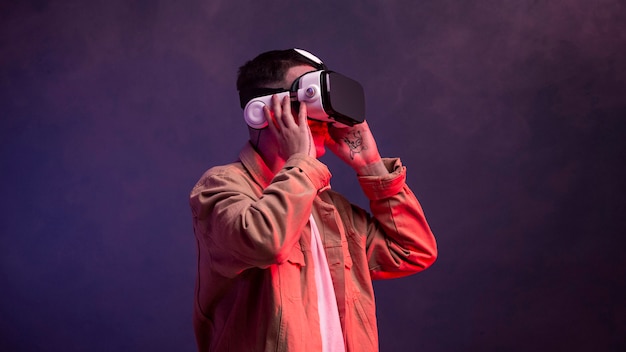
column 292, row 135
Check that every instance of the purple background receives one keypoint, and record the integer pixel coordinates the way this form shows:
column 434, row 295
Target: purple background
column 510, row 116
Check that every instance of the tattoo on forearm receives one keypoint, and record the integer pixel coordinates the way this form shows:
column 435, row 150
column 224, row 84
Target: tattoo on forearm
column 355, row 143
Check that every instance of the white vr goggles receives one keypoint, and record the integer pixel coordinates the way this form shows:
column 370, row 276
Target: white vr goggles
column 328, row 95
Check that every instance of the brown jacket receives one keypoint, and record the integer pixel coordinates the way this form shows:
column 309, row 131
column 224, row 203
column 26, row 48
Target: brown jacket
column 255, row 287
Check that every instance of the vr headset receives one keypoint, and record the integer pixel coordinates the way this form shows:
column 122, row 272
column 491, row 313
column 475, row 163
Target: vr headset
column 328, row 95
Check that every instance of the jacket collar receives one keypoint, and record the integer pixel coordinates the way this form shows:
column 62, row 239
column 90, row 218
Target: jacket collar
column 255, row 165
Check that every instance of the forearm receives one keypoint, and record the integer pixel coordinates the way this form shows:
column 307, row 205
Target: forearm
column 400, row 241
column 254, row 226
column 408, row 243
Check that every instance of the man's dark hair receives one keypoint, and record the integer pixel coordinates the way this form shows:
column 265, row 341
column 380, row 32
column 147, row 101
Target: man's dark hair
column 268, row 68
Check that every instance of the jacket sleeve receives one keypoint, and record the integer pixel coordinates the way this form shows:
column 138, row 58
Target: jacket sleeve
column 242, row 225
column 399, row 240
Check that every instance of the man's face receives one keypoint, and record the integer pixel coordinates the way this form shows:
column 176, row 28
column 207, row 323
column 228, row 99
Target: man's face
column 319, row 129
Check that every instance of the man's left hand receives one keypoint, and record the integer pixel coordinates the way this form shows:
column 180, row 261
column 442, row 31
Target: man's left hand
column 356, row 147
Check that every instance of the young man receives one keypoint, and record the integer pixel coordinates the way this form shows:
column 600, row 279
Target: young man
column 284, row 262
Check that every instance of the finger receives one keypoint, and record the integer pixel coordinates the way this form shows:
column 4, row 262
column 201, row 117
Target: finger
column 287, row 117
column 302, row 115
column 271, row 120
column 278, row 111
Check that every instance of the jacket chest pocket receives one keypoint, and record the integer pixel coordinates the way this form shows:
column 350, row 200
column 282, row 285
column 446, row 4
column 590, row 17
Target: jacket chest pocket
column 291, row 275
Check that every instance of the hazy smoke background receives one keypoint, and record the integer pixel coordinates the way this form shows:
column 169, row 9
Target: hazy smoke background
column 509, row 115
